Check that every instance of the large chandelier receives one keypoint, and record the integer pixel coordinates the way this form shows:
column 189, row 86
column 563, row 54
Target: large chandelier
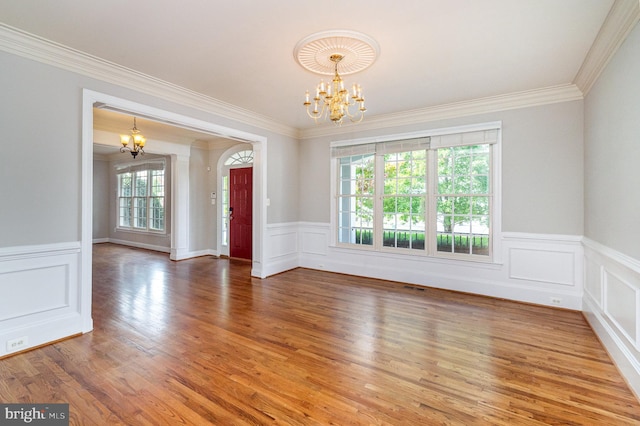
column 334, row 101
column 325, row 52
column 136, row 140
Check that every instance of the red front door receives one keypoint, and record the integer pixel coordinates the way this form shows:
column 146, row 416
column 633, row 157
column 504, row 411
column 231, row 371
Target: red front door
column 240, row 205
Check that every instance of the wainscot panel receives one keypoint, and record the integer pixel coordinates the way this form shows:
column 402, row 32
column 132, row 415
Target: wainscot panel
column 541, row 269
column 557, row 267
column 281, row 248
column 612, row 306
column 40, row 295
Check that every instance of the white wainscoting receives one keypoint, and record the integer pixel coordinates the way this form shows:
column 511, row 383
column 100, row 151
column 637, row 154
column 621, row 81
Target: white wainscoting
column 281, row 248
column 40, row 290
column 536, row 268
column 612, row 306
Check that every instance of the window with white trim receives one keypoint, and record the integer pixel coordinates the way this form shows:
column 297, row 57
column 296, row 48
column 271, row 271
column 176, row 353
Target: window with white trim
column 429, row 195
column 240, row 158
column 141, row 197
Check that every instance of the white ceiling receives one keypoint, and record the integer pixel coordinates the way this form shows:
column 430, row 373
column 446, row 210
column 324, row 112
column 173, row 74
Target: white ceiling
column 433, row 52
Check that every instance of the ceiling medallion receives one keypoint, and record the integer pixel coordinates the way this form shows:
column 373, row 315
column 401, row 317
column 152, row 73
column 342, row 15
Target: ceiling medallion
column 358, row 51
column 321, row 53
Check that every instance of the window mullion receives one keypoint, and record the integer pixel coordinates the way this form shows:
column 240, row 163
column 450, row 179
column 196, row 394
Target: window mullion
column 150, row 176
column 432, row 201
column 379, row 193
column 132, row 204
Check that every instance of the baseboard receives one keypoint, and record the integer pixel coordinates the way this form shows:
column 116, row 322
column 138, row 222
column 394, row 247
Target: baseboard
column 153, row 247
column 182, row 255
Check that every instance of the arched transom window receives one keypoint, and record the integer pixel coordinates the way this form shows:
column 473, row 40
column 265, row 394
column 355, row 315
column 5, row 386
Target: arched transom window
column 240, row 157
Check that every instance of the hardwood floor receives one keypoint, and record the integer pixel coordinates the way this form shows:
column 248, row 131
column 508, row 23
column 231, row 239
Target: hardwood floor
column 200, row 342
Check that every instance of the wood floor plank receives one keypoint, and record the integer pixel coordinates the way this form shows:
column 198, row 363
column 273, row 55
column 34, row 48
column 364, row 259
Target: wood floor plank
column 201, row 342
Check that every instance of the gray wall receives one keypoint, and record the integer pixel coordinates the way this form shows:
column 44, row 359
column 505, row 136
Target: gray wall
column 41, row 121
column 101, row 198
column 542, row 168
column 282, row 157
column 612, row 152
column 40, row 116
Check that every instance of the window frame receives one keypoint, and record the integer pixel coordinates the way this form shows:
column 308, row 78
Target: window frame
column 149, row 168
column 430, row 250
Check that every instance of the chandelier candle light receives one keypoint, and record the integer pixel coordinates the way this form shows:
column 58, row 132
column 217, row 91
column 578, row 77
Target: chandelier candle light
column 322, row 53
column 136, row 139
column 335, row 99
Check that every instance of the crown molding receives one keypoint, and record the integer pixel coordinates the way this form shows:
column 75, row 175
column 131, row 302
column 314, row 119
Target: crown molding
column 21, row 43
column 622, row 17
column 620, row 21
column 524, row 99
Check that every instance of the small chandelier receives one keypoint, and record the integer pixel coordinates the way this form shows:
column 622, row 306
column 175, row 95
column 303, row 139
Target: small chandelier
column 136, row 139
column 334, row 101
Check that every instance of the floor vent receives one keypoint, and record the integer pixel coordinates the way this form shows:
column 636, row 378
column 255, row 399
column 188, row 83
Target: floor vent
column 410, row 287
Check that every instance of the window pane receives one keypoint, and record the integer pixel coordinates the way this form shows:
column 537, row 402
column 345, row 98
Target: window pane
column 139, row 212
column 418, row 185
column 156, row 214
column 480, row 164
column 355, row 203
column 390, row 174
column 480, row 245
column 445, row 162
column 404, row 200
column 124, row 212
column 417, row 206
column 480, row 206
column 124, row 180
column 462, row 222
column 389, row 205
column 225, row 210
column 480, row 185
column 461, row 243
column 461, row 161
column 157, row 183
column 461, row 185
column 140, row 183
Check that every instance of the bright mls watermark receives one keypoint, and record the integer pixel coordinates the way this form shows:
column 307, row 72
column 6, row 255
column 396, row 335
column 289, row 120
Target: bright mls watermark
column 34, row 414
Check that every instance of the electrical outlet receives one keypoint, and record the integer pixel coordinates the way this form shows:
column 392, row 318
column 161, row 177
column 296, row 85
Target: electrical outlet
column 17, row 344
column 556, row 301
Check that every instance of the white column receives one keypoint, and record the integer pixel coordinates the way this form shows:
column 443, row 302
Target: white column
column 179, row 207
